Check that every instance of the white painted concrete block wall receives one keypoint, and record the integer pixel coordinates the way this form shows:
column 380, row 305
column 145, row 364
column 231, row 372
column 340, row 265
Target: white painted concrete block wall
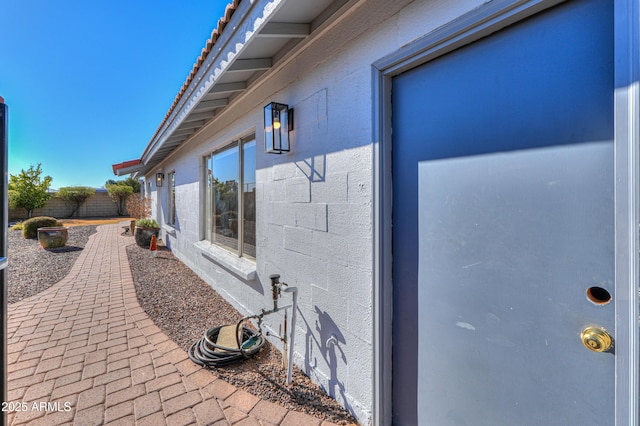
column 314, row 205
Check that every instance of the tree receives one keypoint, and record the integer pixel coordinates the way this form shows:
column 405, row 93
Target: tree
column 28, row 191
column 76, row 196
column 133, row 183
column 119, row 194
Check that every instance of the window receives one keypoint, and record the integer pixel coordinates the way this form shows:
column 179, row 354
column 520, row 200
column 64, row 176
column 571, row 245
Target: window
column 171, row 199
column 230, row 209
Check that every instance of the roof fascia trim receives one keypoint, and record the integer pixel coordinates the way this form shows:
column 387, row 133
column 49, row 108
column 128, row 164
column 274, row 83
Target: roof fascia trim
column 128, row 170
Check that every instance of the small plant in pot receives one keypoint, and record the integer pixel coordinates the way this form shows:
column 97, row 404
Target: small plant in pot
column 145, row 228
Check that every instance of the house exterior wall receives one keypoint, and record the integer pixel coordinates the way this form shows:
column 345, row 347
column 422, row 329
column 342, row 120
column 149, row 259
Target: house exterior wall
column 315, row 204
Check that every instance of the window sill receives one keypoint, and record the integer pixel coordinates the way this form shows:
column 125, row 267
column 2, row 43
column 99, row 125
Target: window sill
column 169, row 229
column 241, row 267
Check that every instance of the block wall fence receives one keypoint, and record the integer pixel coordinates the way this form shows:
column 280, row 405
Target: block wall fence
column 99, row 205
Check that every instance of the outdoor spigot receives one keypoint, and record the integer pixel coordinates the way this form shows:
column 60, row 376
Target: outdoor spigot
column 331, row 341
column 275, row 289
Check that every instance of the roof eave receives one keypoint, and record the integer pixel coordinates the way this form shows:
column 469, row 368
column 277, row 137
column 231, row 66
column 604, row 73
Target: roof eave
column 127, row 167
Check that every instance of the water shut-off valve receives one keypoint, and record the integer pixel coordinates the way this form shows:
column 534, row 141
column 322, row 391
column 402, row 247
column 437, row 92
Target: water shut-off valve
column 276, row 288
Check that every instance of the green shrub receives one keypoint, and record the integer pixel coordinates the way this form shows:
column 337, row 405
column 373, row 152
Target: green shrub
column 30, row 226
column 147, row 223
column 75, row 196
column 17, row 226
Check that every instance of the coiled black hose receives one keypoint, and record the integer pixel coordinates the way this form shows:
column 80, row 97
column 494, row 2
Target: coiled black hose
column 203, row 352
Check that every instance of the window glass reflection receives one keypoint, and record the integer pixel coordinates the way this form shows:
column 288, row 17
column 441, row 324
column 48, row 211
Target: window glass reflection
column 224, row 186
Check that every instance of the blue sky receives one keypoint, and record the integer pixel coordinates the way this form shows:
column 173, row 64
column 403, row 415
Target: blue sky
column 88, row 82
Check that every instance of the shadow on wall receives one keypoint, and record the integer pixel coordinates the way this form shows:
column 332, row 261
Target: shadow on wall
column 329, row 343
column 170, row 236
column 314, row 168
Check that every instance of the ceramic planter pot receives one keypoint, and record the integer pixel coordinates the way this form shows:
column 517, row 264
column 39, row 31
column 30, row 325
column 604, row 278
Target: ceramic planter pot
column 143, row 236
column 53, row 236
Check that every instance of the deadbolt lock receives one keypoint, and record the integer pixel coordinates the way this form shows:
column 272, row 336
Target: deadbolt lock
column 596, row 339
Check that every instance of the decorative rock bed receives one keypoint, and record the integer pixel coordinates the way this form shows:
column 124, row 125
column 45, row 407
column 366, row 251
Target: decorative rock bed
column 32, row 270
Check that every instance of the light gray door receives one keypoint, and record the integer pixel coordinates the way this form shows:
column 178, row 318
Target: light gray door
column 503, row 227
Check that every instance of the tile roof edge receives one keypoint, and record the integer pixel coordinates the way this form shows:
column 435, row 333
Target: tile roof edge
column 125, row 164
column 222, row 23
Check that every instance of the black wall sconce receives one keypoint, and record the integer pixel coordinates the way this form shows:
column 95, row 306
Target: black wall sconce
column 159, row 179
column 278, row 122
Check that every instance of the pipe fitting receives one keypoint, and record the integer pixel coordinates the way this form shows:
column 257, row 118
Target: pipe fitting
column 331, row 341
column 292, row 334
column 275, row 289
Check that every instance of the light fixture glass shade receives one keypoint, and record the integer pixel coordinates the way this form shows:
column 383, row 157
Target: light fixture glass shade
column 278, row 121
column 159, row 179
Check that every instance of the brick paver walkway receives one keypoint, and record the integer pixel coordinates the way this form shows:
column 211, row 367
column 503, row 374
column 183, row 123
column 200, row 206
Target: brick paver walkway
column 84, row 352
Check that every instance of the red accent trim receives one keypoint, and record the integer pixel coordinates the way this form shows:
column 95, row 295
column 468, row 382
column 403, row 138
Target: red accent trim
column 124, row 164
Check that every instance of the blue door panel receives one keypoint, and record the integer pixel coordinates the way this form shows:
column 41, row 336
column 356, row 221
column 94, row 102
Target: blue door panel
column 543, row 82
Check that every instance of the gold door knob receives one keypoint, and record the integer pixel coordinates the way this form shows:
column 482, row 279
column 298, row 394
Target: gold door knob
column 596, row 339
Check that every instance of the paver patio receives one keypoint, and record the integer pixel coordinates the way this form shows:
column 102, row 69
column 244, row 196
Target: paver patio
column 84, row 352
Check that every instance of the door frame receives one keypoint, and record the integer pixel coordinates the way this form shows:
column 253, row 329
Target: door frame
column 472, row 26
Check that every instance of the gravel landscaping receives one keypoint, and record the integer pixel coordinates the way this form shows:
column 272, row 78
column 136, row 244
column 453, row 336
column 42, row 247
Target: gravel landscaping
column 32, row 269
column 182, row 305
